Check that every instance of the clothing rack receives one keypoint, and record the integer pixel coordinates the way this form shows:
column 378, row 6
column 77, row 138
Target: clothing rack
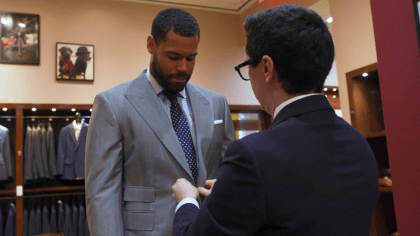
column 54, row 195
column 7, row 198
column 7, row 117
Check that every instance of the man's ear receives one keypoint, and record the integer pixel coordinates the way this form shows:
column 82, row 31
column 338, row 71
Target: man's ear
column 268, row 66
column 151, row 44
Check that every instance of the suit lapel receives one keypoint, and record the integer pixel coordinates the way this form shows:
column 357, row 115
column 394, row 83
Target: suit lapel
column 302, row 106
column 203, row 122
column 72, row 134
column 143, row 98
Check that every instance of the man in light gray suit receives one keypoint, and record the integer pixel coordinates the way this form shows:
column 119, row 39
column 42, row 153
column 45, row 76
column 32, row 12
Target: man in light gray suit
column 146, row 133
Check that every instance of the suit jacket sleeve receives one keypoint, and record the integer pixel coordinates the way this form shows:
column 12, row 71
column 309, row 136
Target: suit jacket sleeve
column 61, row 152
column 51, row 151
column 235, row 206
column 27, row 155
column 8, row 154
column 103, row 172
column 230, row 134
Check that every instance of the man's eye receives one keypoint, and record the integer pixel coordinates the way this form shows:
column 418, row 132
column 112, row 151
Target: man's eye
column 173, row 58
column 190, row 58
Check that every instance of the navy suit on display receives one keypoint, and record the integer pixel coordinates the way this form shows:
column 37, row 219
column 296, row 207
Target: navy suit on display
column 310, row 173
column 71, row 152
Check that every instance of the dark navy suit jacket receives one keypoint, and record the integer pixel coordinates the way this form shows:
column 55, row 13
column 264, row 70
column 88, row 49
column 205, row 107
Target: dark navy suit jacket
column 71, row 152
column 310, row 173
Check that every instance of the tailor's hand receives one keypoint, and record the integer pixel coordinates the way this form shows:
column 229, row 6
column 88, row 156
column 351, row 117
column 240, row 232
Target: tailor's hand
column 184, row 189
column 204, row 192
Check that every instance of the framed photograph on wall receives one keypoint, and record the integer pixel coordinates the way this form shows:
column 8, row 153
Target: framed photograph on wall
column 75, row 62
column 19, row 34
column 416, row 5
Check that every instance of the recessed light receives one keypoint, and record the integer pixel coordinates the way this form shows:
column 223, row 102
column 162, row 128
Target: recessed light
column 73, row 109
column 34, row 109
column 4, row 108
column 53, row 109
column 329, row 20
column 325, row 89
column 365, row 74
column 334, row 89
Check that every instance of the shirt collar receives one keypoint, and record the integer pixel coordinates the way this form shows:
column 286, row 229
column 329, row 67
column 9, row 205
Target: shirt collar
column 156, row 86
column 293, row 99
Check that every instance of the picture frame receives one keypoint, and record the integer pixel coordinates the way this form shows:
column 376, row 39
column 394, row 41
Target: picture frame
column 416, row 6
column 20, row 38
column 75, row 62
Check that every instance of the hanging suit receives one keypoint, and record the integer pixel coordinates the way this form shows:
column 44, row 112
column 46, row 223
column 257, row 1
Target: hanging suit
column 11, row 222
column 7, row 166
column 71, row 152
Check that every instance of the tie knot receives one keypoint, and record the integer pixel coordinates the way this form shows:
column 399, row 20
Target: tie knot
column 171, row 96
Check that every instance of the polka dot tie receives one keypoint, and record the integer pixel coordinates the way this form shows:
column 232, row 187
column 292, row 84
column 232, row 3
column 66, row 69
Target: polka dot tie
column 182, row 130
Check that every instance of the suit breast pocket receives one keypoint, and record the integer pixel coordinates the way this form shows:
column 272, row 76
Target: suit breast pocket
column 139, row 219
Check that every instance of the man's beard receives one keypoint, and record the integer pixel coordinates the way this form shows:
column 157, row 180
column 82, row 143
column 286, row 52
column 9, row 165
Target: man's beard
column 164, row 81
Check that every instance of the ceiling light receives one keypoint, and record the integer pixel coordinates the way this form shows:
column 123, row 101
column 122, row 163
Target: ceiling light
column 34, row 109
column 21, row 25
column 329, row 20
column 90, row 109
column 334, row 89
column 53, row 109
column 73, row 109
column 325, row 89
column 4, row 109
column 365, row 74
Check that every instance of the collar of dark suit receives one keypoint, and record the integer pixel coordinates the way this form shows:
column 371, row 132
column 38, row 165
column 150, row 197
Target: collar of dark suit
column 302, row 106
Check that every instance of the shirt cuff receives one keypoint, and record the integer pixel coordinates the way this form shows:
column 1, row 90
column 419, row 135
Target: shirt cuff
column 185, row 201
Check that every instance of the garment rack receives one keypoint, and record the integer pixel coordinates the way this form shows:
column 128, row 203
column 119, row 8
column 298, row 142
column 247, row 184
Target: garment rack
column 54, row 194
column 7, row 117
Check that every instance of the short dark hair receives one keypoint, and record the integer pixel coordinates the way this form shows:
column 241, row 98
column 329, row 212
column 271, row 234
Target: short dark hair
column 298, row 41
column 180, row 21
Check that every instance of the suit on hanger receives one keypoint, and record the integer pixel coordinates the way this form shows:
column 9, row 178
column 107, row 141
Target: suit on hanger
column 38, row 153
column 133, row 156
column 28, row 154
column 81, row 220
column 51, row 151
column 61, row 216
column 71, row 152
column 45, row 229
column 310, row 173
column 68, row 221
column 53, row 218
column 7, row 167
column 10, row 227
column 1, row 222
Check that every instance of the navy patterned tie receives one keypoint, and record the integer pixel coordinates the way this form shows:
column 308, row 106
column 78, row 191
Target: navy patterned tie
column 182, row 130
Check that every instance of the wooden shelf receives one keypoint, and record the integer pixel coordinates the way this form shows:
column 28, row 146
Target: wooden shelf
column 8, row 192
column 54, row 189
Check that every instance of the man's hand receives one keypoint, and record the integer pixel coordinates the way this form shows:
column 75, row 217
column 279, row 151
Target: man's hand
column 204, row 192
column 184, row 189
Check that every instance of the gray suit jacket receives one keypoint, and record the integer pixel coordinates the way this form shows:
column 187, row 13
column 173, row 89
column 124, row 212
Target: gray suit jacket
column 7, row 164
column 133, row 156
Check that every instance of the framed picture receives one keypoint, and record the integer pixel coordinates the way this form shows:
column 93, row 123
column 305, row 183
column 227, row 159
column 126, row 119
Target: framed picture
column 75, row 62
column 19, row 34
column 416, row 5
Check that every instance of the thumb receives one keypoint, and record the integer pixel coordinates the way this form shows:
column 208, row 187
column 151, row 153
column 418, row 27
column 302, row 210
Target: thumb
column 203, row 191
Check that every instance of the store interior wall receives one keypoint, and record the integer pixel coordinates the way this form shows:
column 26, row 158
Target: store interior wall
column 399, row 76
column 118, row 30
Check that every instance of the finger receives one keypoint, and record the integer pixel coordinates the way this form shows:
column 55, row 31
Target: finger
column 203, row 191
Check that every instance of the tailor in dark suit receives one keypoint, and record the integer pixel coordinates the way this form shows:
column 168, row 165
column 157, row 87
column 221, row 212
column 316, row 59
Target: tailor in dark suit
column 310, row 173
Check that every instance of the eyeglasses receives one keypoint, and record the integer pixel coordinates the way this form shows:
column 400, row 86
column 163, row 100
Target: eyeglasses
column 242, row 70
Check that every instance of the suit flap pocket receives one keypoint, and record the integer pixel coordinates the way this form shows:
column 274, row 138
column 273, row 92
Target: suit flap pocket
column 139, row 220
column 139, row 194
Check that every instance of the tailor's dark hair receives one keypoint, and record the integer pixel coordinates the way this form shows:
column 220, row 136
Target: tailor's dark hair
column 298, row 41
column 180, row 21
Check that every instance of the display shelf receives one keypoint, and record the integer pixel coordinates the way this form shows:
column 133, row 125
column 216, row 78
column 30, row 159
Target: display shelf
column 55, row 189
